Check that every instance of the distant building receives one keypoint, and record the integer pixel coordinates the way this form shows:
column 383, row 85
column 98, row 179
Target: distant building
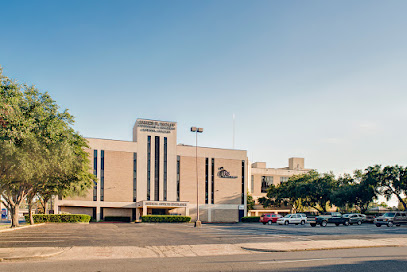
column 262, row 177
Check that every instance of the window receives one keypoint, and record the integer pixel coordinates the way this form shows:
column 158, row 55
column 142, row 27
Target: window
column 283, row 179
column 135, row 177
column 213, row 181
column 95, row 172
column 243, row 187
column 165, row 169
column 157, row 169
column 266, row 182
column 148, row 166
column 252, row 184
column 178, row 175
column 102, row 175
column 206, row 180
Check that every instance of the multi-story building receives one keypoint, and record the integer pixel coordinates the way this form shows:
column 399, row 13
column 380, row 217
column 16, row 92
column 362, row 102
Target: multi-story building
column 262, row 177
column 154, row 175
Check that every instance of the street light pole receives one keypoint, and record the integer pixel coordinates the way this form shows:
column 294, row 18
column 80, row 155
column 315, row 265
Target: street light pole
column 196, row 131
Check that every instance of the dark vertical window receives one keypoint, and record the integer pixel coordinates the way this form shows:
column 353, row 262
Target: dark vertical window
column 135, row 177
column 213, row 181
column 102, row 175
column 165, row 169
column 157, row 169
column 148, row 166
column 206, row 181
column 243, row 187
column 178, row 176
column 95, row 172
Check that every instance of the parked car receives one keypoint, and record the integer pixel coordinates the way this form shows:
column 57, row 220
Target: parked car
column 269, row 218
column 355, row 218
column 293, row 218
column 391, row 218
column 329, row 217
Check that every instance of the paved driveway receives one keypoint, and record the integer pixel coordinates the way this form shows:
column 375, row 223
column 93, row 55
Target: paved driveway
column 111, row 234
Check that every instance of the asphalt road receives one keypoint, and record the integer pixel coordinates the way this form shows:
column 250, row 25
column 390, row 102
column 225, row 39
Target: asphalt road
column 109, row 234
column 366, row 259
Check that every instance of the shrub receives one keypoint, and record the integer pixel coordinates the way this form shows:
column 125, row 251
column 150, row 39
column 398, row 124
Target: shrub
column 165, row 219
column 251, row 219
column 117, row 218
column 59, row 218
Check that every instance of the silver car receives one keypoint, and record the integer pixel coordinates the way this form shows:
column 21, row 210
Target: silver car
column 293, row 218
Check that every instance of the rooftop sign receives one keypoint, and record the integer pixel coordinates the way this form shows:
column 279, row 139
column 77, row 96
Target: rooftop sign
column 156, row 126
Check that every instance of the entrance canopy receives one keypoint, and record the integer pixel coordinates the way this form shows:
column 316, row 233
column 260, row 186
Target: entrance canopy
column 146, row 207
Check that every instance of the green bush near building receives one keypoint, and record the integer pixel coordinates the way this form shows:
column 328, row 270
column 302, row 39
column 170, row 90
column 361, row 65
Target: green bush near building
column 165, row 219
column 251, row 219
column 59, row 218
column 116, row 219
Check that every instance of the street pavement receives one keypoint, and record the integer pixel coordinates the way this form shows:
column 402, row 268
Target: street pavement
column 109, row 241
column 361, row 259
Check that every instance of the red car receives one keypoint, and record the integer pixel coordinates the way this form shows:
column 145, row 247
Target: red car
column 269, row 218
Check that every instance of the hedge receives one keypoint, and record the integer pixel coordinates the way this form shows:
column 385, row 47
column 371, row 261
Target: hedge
column 59, row 218
column 250, row 219
column 117, row 218
column 165, row 219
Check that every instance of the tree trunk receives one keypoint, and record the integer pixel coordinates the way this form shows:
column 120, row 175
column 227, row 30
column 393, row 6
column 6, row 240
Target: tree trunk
column 46, row 199
column 30, row 212
column 14, row 211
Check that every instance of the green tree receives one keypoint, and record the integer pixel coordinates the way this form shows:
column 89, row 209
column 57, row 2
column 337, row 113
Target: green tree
column 391, row 180
column 250, row 202
column 40, row 154
column 311, row 189
column 355, row 191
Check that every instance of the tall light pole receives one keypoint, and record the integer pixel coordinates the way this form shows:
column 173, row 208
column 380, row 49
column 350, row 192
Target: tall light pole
column 196, row 131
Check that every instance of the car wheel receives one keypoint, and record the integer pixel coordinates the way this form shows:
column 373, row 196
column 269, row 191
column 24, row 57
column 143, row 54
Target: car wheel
column 336, row 224
column 303, row 222
column 378, row 225
column 390, row 224
column 398, row 225
column 346, row 223
column 264, row 223
column 270, row 222
column 286, row 222
column 313, row 225
column 324, row 223
column 359, row 223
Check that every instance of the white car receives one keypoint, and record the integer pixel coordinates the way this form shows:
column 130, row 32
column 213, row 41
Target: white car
column 293, row 218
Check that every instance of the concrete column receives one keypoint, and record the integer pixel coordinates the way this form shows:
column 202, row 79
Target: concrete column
column 97, row 213
column 144, row 210
column 186, row 211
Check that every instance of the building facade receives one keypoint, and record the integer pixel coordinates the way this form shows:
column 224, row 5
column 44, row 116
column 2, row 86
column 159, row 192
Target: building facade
column 262, row 177
column 154, row 175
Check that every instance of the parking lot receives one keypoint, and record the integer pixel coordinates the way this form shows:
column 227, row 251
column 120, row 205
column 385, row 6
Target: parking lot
column 116, row 234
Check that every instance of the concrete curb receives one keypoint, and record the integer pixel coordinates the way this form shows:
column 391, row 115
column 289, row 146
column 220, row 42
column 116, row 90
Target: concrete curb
column 23, row 227
column 325, row 245
column 33, row 257
column 313, row 249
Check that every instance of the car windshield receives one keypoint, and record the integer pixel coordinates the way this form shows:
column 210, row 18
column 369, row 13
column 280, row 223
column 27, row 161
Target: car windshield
column 389, row 214
column 288, row 216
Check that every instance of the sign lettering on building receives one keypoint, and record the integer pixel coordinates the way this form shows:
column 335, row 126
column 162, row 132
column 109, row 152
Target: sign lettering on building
column 156, row 126
column 166, row 204
column 223, row 173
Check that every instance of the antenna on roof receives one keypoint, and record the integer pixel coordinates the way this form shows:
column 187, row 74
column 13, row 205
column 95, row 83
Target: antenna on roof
column 233, row 131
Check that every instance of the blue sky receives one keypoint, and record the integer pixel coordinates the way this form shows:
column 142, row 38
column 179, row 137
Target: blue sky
column 324, row 80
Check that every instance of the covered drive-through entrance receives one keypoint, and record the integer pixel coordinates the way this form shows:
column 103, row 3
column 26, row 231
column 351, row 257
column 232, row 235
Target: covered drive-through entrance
column 147, row 207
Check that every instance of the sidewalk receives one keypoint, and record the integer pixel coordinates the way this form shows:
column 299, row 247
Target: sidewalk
column 117, row 252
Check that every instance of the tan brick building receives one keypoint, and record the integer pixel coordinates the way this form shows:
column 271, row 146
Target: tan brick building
column 262, row 177
column 155, row 175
